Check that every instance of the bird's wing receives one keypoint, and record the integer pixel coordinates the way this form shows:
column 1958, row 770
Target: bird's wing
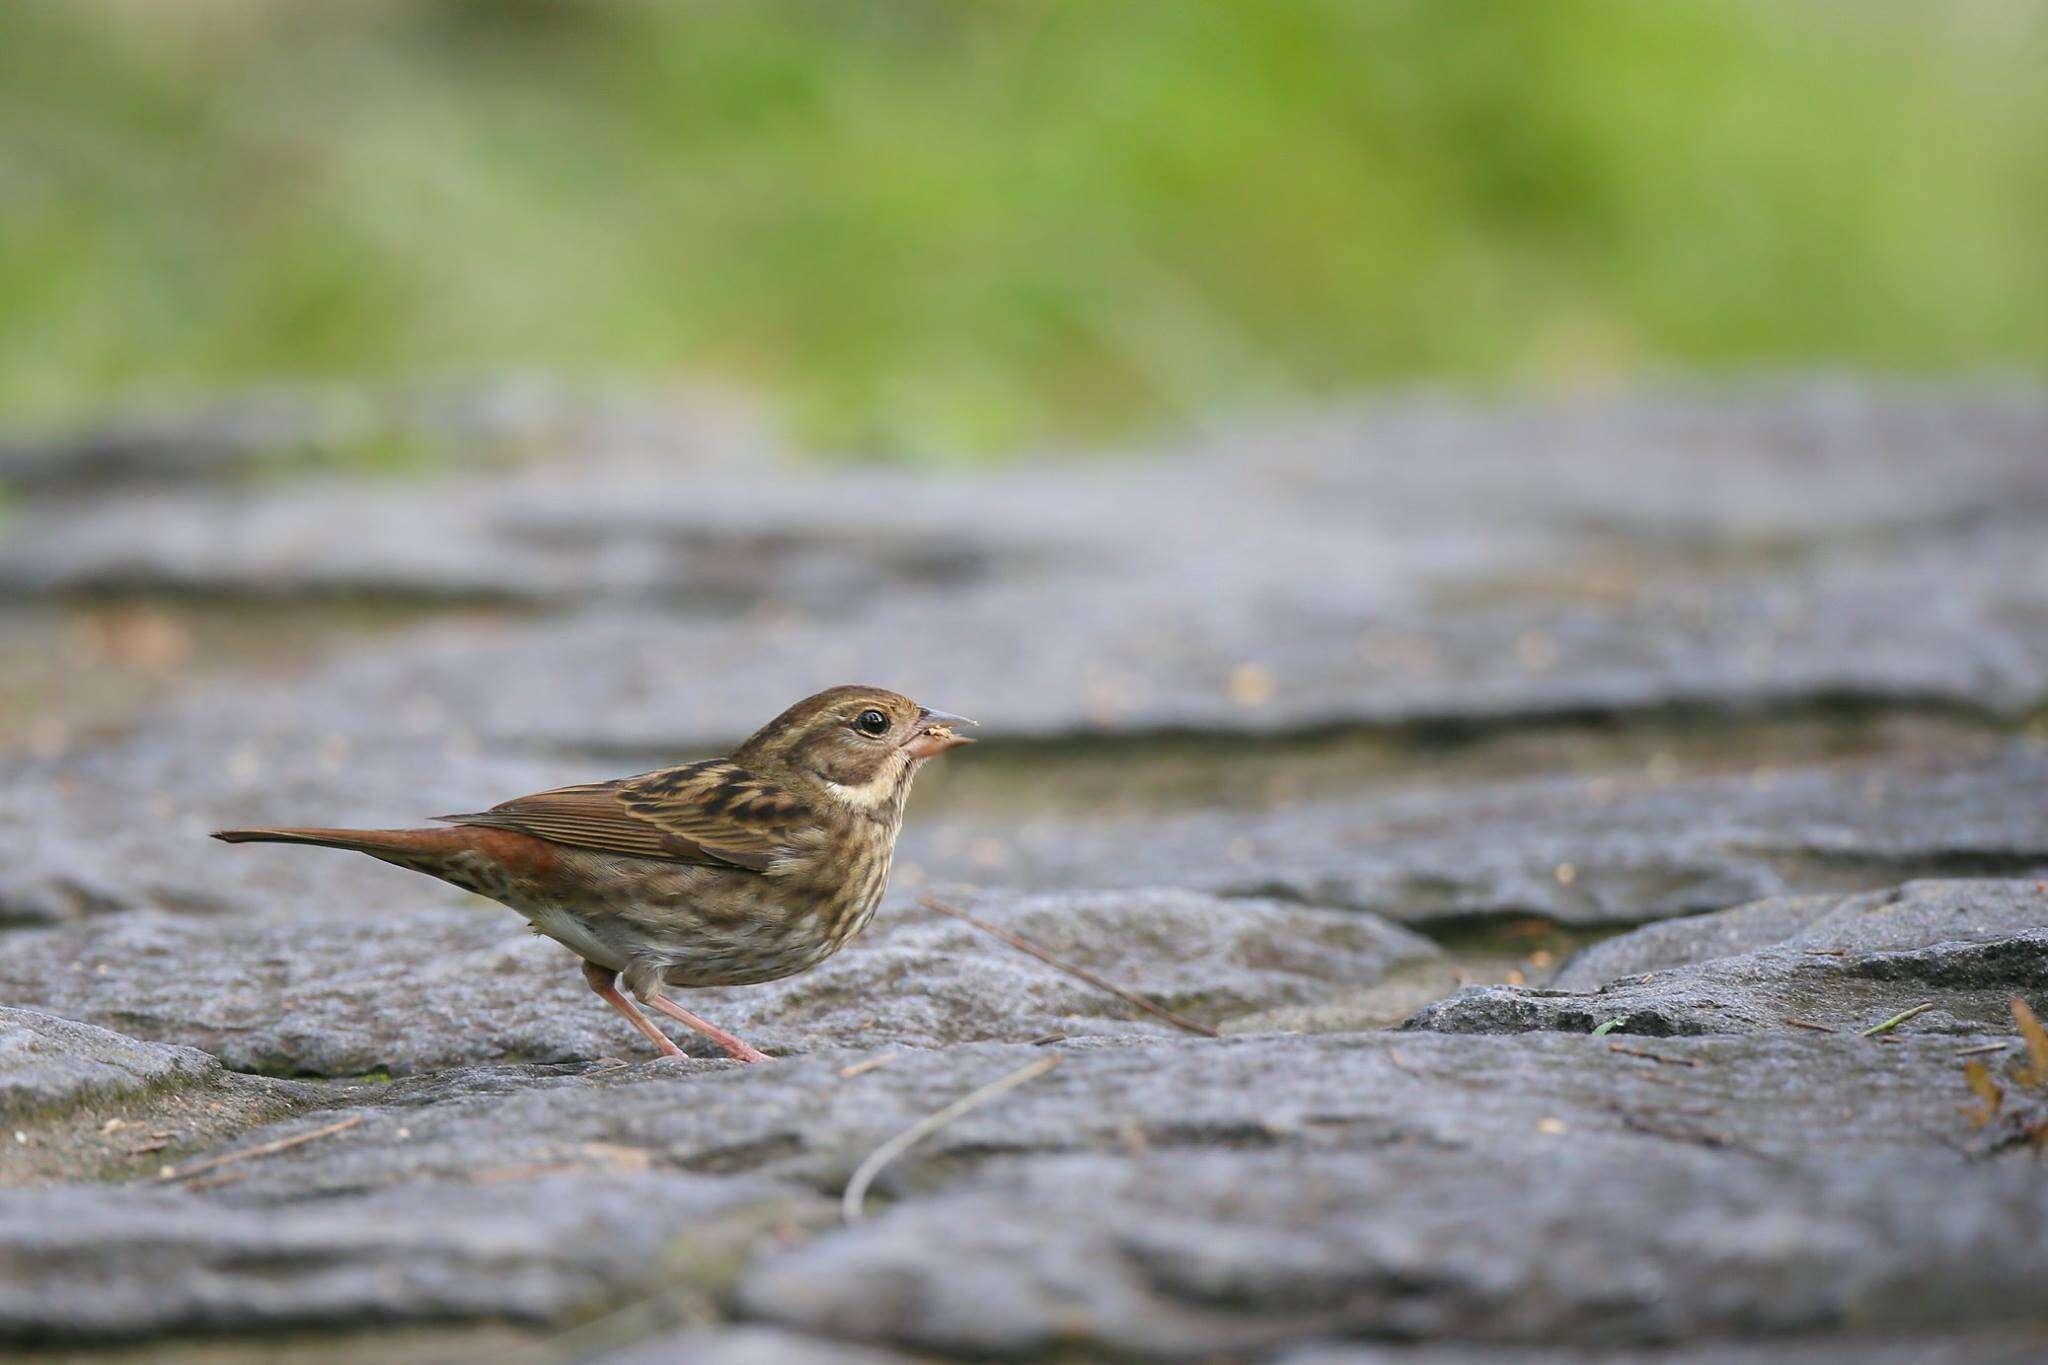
column 714, row 812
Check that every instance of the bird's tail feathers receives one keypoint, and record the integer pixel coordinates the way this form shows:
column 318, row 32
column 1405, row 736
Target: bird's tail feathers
column 374, row 841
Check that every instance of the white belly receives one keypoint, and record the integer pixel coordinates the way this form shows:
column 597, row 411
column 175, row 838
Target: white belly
column 572, row 933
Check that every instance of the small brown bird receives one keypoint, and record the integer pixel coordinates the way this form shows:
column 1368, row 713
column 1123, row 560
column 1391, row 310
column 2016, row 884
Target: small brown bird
column 726, row 872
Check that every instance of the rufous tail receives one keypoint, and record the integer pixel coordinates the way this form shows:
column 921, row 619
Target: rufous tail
column 377, row 841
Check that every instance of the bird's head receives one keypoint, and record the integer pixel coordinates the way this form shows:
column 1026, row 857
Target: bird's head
column 857, row 746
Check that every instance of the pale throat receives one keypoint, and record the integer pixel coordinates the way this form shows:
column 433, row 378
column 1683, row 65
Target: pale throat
column 873, row 794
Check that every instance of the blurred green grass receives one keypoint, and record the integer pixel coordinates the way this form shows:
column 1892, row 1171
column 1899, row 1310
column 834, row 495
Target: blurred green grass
column 927, row 228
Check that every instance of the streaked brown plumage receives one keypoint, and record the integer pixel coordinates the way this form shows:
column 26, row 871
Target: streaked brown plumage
column 725, row 872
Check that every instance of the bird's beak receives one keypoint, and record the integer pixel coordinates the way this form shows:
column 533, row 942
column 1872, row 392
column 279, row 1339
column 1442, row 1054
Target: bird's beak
column 934, row 734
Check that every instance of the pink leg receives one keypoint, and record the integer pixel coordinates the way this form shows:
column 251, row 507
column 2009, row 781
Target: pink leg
column 605, row 982
column 732, row 1046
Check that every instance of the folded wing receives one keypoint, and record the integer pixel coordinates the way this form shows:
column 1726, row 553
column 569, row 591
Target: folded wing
column 715, row 813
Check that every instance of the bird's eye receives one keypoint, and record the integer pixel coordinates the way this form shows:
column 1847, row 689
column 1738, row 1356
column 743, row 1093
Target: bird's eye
column 872, row 723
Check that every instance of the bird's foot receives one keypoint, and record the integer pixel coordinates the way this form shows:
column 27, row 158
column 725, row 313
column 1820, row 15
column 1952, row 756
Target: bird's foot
column 730, row 1044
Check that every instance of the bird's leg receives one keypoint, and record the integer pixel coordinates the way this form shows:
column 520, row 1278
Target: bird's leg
column 732, row 1046
column 605, row 982
column 643, row 978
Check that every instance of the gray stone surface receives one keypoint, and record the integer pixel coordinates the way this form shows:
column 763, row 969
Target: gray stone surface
column 97, row 1264
column 747, row 1346
column 1587, row 851
column 125, row 827
column 308, row 429
column 1084, row 655
column 1169, row 1196
column 1967, row 948
column 1250, row 708
column 1743, row 1100
column 1193, row 1252
column 1425, row 565
column 54, row 885
column 1917, row 915
column 1998, row 1346
column 47, row 1063
column 409, row 990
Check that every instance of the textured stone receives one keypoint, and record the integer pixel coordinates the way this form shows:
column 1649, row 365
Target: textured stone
column 407, row 990
column 1192, row 1252
column 1778, row 1100
column 1155, row 1195
column 126, row 827
column 2018, row 1345
column 1965, row 947
column 1918, row 915
column 1598, row 664
column 1424, row 566
column 48, row 1063
column 96, row 1263
column 1584, row 851
column 748, row 1346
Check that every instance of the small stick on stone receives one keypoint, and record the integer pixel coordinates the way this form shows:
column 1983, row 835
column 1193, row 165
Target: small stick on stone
column 1808, row 1024
column 1025, row 945
column 861, row 1068
column 865, row 1173
column 1983, row 1049
column 1878, row 1030
column 1655, row 1079
column 1658, row 1058
column 261, row 1149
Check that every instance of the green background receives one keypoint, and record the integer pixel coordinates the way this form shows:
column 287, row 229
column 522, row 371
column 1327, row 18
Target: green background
column 943, row 229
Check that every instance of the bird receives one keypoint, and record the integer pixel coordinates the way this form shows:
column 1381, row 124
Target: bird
column 722, row 872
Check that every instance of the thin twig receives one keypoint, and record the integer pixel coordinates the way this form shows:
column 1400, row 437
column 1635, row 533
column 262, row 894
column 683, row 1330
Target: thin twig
column 865, row 1173
column 1658, row 1058
column 1877, row 1030
column 1983, row 1049
column 1641, row 1123
column 1807, row 1024
column 861, row 1068
column 261, row 1149
column 1025, row 945
column 1655, row 1079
